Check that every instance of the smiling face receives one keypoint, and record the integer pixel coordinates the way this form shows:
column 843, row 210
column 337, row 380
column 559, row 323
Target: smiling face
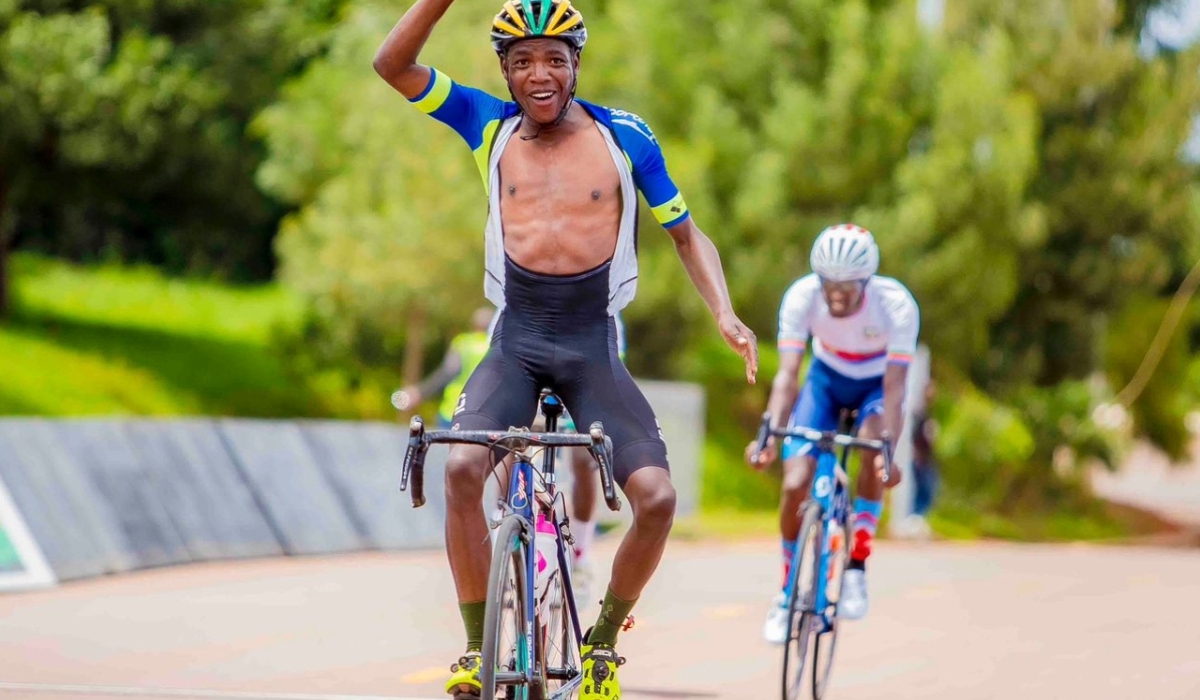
column 843, row 298
column 541, row 74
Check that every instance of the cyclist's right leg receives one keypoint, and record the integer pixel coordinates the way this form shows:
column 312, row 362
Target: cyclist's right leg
column 797, row 485
column 498, row 395
column 816, row 408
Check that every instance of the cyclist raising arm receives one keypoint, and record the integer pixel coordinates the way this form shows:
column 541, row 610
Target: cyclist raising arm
column 562, row 178
column 864, row 333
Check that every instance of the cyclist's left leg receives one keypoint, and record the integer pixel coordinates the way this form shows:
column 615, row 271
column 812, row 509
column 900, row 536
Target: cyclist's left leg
column 604, row 391
column 815, row 408
column 652, row 499
column 868, row 509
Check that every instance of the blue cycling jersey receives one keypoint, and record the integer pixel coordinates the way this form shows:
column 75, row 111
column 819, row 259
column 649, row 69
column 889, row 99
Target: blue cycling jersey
column 487, row 123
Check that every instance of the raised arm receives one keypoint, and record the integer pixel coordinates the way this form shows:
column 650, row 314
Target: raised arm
column 396, row 60
column 703, row 265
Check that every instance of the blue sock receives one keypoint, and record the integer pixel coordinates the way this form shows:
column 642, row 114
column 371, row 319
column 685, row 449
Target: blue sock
column 789, row 550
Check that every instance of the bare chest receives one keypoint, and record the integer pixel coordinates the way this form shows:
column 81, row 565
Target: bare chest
column 577, row 174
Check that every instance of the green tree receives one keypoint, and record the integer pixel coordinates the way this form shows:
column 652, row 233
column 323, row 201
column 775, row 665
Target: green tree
column 387, row 241
column 128, row 130
column 1020, row 165
column 1112, row 184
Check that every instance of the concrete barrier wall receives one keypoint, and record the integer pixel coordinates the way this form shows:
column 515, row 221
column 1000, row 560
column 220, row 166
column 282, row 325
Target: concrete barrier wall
column 76, row 529
column 108, row 496
column 361, row 463
column 211, row 505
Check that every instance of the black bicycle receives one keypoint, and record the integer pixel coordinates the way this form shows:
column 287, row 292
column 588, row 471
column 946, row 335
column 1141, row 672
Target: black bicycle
column 531, row 643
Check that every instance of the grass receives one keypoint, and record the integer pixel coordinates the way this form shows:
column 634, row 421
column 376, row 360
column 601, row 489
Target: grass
column 953, row 520
column 1104, row 521
column 114, row 340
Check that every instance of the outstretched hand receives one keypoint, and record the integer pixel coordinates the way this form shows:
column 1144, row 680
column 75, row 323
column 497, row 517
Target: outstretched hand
column 743, row 341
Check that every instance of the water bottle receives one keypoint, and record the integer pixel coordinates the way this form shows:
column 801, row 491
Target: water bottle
column 545, row 542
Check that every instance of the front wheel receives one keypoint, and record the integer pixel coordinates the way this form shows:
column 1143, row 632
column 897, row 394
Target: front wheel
column 825, row 640
column 801, row 607
column 558, row 643
column 504, row 661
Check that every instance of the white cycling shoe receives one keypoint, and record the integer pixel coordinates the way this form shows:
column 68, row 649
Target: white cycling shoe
column 775, row 629
column 854, row 602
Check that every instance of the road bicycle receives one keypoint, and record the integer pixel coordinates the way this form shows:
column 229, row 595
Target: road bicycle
column 821, row 553
column 531, row 643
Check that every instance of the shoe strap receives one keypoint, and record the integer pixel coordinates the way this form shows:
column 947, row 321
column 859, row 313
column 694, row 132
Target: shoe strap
column 603, row 652
column 467, row 661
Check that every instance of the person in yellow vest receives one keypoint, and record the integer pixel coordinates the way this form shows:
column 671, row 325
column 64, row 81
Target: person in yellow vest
column 466, row 351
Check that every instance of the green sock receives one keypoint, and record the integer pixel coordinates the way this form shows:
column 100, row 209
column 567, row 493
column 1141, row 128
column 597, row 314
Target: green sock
column 612, row 617
column 472, row 615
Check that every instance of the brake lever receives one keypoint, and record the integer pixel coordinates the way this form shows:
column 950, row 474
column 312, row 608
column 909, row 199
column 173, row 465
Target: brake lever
column 414, row 462
column 602, row 448
column 887, row 461
column 764, row 434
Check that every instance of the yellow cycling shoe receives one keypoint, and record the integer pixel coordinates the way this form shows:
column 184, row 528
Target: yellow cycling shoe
column 465, row 681
column 600, row 663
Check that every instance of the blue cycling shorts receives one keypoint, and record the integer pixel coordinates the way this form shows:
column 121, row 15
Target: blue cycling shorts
column 824, row 395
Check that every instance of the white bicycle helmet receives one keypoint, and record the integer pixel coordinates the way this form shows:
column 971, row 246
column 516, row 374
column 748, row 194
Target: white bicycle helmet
column 843, row 253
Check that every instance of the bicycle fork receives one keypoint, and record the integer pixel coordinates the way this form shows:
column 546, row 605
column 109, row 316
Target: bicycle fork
column 825, row 487
column 520, row 501
column 522, row 497
column 834, row 512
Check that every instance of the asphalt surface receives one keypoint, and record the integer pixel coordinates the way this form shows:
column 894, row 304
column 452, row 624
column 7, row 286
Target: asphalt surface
column 948, row 621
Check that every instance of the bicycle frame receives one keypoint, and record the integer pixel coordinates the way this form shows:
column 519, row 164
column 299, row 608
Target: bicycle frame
column 827, row 511
column 831, row 494
column 522, row 497
column 525, row 501
column 830, row 491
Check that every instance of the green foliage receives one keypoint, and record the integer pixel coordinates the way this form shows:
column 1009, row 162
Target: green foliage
column 124, row 127
column 1027, row 456
column 388, row 234
column 1064, row 431
column 964, row 519
column 983, row 447
column 728, row 483
column 118, row 340
column 1162, row 408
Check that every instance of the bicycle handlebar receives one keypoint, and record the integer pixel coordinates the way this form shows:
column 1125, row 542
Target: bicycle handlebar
column 599, row 444
column 825, row 440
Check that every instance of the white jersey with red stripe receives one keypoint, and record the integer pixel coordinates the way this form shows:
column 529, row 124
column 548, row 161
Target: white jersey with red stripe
column 860, row 346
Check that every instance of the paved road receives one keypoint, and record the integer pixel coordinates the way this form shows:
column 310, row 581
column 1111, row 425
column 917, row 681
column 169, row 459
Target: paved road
column 949, row 622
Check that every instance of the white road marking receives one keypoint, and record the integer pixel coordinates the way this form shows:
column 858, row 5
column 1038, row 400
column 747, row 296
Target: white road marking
column 181, row 692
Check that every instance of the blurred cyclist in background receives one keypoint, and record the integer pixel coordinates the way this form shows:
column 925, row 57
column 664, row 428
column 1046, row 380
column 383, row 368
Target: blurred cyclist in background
column 863, row 329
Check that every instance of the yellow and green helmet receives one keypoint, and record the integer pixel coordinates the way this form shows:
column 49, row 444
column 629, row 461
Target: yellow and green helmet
column 530, row 19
